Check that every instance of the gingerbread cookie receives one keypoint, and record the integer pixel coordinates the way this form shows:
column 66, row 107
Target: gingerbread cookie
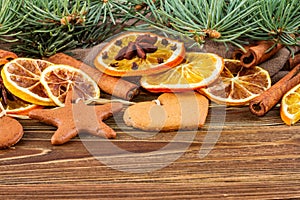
column 171, row 111
column 11, row 131
column 76, row 117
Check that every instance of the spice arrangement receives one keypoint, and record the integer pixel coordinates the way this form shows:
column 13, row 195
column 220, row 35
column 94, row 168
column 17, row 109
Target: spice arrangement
column 239, row 53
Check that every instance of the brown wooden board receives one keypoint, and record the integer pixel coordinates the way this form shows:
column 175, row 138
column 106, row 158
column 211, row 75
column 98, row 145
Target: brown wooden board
column 254, row 158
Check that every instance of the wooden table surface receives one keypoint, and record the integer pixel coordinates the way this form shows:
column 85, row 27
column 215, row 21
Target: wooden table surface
column 254, row 158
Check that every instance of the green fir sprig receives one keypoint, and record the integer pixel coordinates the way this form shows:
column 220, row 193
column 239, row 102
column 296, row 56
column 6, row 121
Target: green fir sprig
column 57, row 25
column 8, row 21
column 44, row 27
column 107, row 17
column 218, row 20
column 277, row 20
column 50, row 26
column 228, row 21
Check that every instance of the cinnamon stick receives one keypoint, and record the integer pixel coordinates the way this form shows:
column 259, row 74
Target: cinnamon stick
column 293, row 61
column 269, row 98
column 256, row 54
column 112, row 85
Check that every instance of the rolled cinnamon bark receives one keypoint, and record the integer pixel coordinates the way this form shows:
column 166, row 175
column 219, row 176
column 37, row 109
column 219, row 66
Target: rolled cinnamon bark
column 256, row 54
column 112, row 85
column 269, row 98
column 293, row 61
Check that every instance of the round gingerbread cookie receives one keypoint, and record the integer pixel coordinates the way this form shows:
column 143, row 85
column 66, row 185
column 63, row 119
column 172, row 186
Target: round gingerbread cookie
column 11, row 131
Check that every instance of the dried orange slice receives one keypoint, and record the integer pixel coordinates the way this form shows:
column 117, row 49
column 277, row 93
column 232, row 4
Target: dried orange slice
column 6, row 56
column 59, row 79
column 138, row 53
column 19, row 107
column 237, row 85
column 290, row 106
column 196, row 71
column 21, row 77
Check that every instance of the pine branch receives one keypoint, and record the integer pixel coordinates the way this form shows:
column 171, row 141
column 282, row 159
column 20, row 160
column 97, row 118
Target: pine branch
column 45, row 27
column 8, row 21
column 278, row 21
column 218, row 20
column 57, row 25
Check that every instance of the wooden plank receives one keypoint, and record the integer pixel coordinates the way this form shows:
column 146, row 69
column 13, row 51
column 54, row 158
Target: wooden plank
column 254, row 158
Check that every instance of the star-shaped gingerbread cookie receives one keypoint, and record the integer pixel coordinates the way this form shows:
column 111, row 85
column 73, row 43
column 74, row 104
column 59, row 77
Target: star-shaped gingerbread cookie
column 77, row 117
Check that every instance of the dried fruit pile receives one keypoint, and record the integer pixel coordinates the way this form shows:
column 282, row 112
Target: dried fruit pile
column 43, row 83
column 228, row 83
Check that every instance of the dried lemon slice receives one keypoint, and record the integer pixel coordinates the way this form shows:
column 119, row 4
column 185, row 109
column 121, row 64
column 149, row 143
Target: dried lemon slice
column 21, row 77
column 59, row 79
column 138, row 53
column 290, row 106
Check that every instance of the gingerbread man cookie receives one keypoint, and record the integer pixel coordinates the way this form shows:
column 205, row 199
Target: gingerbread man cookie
column 171, row 111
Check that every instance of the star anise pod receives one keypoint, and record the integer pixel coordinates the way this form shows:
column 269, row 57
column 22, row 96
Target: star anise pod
column 140, row 47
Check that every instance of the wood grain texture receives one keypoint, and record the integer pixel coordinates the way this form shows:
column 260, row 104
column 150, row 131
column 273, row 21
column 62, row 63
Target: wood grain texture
column 254, row 158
